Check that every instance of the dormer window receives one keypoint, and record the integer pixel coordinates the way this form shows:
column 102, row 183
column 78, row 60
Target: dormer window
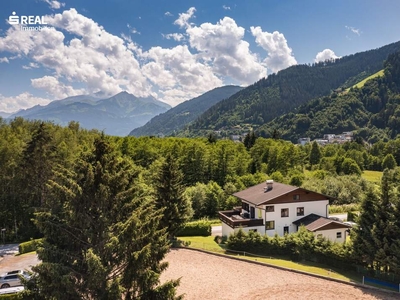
column 296, row 197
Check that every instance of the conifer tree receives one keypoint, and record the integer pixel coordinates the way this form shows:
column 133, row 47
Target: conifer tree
column 315, row 154
column 176, row 208
column 101, row 234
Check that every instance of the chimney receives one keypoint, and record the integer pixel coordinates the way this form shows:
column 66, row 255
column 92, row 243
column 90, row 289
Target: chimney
column 269, row 186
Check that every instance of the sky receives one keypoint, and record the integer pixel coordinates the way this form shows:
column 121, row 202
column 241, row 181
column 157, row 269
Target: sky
column 173, row 50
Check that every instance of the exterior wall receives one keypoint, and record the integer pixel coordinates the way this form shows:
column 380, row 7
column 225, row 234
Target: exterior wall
column 315, row 207
column 227, row 230
column 331, row 234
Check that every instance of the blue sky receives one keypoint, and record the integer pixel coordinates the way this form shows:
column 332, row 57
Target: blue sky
column 175, row 50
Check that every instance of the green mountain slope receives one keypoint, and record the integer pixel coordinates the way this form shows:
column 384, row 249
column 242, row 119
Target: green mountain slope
column 282, row 92
column 179, row 116
column 373, row 110
column 116, row 115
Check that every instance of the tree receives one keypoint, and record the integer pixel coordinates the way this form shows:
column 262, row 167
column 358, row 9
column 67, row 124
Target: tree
column 315, row 154
column 389, row 162
column 101, row 234
column 169, row 197
column 250, row 140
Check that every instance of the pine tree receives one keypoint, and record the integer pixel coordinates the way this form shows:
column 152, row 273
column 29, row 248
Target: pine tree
column 315, row 154
column 169, row 197
column 101, row 234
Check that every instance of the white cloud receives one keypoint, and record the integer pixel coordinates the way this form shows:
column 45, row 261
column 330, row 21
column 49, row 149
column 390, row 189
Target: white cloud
column 183, row 20
column 132, row 29
column 280, row 55
column 222, row 46
column 4, row 60
column 174, row 36
column 22, row 101
column 55, row 88
column 168, row 14
column 353, row 30
column 31, row 65
column 226, row 7
column 326, row 54
column 54, row 4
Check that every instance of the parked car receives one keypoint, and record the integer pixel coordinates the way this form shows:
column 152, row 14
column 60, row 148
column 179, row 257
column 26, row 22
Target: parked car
column 13, row 278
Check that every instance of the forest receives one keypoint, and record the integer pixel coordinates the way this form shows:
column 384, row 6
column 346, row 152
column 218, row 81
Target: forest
column 105, row 204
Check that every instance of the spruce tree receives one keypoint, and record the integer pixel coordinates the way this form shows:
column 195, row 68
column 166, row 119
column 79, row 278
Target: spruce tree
column 101, row 234
column 315, row 154
column 176, row 208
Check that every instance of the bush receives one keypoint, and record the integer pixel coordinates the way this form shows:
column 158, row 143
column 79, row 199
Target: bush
column 16, row 296
column 196, row 228
column 29, row 246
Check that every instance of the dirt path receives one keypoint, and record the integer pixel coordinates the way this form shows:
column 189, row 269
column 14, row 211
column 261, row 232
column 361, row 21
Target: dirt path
column 205, row 276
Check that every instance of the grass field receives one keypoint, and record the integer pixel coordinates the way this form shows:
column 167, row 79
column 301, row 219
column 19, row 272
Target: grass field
column 372, row 176
column 361, row 83
column 207, row 243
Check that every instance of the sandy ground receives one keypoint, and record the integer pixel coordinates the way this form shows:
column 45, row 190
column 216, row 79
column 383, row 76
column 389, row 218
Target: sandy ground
column 205, row 276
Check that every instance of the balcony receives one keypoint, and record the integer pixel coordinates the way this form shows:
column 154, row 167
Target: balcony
column 233, row 219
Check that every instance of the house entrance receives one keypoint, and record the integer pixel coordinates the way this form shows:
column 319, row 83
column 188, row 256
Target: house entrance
column 285, row 230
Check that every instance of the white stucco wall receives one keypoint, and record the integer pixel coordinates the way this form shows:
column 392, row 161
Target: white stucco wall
column 227, row 230
column 312, row 207
column 331, row 234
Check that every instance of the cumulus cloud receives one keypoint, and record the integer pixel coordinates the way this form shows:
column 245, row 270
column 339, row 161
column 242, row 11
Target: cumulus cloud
column 280, row 55
column 4, row 60
column 183, row 20
column 55, row 88
column 326, row 54
column 174, row 36
column 222, row 45
column 353, row 30
column 168, row 14
column 54, row 4
column 22, row 101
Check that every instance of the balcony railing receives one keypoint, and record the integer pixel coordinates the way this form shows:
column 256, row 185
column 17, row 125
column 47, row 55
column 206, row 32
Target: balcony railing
column 233, row 219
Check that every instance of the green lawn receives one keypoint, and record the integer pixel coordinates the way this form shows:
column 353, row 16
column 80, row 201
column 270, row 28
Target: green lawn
column 207, row 243
column 361, row 83
column 372, row 176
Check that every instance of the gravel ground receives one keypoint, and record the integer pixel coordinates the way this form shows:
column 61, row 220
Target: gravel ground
column 206, row 276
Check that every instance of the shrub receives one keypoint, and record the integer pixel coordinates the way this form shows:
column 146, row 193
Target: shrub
column 196, row 228
column 16, row 296
column 29, row 246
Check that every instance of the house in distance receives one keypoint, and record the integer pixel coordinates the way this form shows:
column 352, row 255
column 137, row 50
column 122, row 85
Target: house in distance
column 275, row 208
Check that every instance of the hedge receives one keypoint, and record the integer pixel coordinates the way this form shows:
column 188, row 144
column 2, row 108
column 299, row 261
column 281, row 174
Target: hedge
column 29, row 246
column 16, row 296
column 196, row 228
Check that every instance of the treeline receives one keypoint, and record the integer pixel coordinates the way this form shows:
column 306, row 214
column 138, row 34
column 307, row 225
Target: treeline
column 372, row 111
column 202, row 172
column 288, row 89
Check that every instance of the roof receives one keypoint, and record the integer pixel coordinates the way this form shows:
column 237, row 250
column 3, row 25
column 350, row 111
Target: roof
column 258, row 195
column 313, row 222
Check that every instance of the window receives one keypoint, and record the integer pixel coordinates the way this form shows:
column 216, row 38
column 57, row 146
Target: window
column 252, row 212
column 338, row 235
column 284, row 212
column 269, row 208
column 300, row 211
column 296, row 197
column 245, row 206
column 269, row 225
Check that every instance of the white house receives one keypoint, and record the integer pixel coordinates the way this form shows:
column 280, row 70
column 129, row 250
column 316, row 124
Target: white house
column 275, row 208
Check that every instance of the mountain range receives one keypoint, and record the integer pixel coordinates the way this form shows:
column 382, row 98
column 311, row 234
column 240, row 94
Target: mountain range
column 116, row 115
column 177, row 117
column 285, row 91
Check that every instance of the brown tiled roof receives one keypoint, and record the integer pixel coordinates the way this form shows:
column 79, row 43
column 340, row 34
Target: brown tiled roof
column 257, row 195
column 313, row 222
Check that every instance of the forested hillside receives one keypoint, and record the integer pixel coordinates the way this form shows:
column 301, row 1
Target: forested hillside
column 179, row 116
column 373, row 110
column 282, row 92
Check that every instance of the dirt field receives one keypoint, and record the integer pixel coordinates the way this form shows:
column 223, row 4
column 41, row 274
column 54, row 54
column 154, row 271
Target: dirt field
column 205, row 276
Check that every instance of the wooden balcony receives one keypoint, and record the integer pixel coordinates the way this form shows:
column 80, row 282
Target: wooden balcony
column 233, row 219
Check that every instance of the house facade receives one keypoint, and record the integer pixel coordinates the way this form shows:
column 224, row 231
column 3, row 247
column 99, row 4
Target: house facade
column 274, row 208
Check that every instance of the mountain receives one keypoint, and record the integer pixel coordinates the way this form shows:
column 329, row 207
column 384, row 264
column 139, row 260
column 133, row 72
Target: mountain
column 371, row 109
column 116, row 115
column 282, row 92
column 179, row 116
column 4, row 114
